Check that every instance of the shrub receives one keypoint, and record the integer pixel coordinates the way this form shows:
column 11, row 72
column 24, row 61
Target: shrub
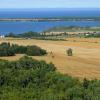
column 70, row 52
column 6, row 49
column 85, row 83
column 35, row 51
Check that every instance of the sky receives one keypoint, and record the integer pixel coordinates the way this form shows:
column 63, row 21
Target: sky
column 49, row 4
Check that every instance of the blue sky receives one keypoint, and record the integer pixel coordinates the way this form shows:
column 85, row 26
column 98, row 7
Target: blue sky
column 49, row 3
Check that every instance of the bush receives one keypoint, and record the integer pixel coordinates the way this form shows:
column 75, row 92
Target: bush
column 35, row 51
column 6, row 49
column 70, row 52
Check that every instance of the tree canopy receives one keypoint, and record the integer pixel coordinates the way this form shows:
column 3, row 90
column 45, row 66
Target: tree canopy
column 29, row 79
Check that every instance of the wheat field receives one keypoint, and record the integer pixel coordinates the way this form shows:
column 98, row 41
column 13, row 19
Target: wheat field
column 85, row 62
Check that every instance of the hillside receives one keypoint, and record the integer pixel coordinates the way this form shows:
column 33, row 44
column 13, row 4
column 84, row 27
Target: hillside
column 73, row 29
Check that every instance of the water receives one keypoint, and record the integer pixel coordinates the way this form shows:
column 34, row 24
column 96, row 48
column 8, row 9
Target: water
column 20, row 27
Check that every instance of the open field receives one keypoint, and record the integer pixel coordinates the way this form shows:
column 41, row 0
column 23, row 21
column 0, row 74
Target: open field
column 84, row 63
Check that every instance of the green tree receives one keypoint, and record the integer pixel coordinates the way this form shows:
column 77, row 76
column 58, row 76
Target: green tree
column 69, row 52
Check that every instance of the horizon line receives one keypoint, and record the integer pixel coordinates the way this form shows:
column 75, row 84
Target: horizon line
column 56, row 8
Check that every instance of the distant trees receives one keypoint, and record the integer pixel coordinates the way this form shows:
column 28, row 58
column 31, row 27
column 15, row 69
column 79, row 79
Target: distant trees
column 69, row 52
column 93, row 35
column 11, row 35
column 29, row 34
column 7, row 49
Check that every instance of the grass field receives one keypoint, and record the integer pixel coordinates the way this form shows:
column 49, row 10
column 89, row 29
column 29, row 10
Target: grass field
column 84, row 63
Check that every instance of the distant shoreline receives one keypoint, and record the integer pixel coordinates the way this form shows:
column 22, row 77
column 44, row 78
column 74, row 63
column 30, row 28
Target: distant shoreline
column 52, row 19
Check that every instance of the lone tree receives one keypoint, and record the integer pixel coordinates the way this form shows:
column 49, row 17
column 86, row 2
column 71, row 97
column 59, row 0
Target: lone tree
column 69, row 52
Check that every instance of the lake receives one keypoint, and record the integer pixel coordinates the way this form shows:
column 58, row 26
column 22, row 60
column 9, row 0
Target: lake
column 20, row 27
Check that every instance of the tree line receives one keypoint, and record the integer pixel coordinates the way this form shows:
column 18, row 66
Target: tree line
column 7, row 49
column 29, row 34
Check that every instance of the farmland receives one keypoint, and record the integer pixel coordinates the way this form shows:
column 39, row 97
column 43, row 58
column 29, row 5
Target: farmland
column 84, row 63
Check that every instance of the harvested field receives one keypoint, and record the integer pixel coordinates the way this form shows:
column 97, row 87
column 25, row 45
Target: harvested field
column 84, row 63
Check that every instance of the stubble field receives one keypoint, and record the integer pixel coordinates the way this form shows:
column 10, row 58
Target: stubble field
column 85, row 63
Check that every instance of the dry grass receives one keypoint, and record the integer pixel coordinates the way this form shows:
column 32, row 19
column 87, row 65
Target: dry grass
column 84, row 63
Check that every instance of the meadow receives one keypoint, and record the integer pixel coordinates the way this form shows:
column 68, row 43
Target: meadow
column 85, row 62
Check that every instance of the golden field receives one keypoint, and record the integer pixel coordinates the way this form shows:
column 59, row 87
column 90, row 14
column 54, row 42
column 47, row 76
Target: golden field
column 85, row 63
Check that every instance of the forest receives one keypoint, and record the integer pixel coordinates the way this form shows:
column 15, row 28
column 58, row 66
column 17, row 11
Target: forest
column 29, row 79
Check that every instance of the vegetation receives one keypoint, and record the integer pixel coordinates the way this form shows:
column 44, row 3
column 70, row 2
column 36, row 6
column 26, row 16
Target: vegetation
column 93, row 36
column 73, row 29
column 53, row 19
column 70, row 52
column 60, row 33
column 51, row 38
column 11, row 35
column 29, row 79
column 35, row 35
column 29, row 34
column 34, row 50
column 7, row 49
